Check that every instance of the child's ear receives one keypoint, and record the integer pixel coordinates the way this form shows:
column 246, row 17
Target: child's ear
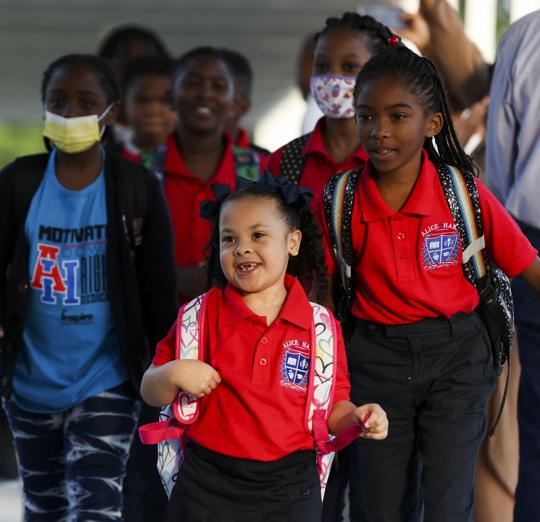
column 434, row 124
column 295, row 238
column 241, row 107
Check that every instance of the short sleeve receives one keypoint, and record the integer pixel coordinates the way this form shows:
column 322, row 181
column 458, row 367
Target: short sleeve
column 506, row 244
column 343, row 386
column 165, row 348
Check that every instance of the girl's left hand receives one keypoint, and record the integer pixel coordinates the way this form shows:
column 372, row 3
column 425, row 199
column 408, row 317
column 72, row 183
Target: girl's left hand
column 374, row 420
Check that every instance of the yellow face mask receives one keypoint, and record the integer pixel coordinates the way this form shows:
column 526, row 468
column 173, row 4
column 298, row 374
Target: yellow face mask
column 73, row 135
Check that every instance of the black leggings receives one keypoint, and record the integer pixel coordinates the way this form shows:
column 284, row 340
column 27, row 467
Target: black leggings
column 216, row 488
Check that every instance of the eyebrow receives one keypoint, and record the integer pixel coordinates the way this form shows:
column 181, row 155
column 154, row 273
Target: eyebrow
column 229, row 230
column 393, row 106
column 81, row 91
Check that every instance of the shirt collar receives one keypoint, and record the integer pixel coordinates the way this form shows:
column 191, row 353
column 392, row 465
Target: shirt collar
column 242, row 139
column 420, row 201
column 175, row 166
column 315, row 145
column 296, row 308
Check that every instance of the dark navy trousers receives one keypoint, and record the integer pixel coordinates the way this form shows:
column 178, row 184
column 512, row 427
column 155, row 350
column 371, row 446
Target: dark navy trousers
column 527, row 309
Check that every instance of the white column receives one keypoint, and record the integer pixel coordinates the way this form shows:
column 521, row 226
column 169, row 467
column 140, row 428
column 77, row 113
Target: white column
column 481, row 25
column 454, row 4
column 520, row 8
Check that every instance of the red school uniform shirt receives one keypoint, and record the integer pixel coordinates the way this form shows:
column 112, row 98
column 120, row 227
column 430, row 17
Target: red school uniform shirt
column 408, row 263
column 257, row 411
column 184, row 192
column 318, row 164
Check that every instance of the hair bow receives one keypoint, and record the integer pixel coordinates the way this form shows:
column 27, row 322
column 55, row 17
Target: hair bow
column 291, row 192
column 210, row 209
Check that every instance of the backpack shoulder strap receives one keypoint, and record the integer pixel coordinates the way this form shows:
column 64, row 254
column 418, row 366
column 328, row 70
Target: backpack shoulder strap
column 322, row 377
column 189, row 344
column 338, row 201
column 246, row 163
column 461, row 193
column 292, row 161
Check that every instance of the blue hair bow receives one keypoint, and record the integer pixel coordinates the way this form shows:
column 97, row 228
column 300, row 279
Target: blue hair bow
column 210, row 209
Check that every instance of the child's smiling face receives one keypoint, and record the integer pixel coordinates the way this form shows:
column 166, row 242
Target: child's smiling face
column 255, row 243
column 393, row 125
column 204, row 94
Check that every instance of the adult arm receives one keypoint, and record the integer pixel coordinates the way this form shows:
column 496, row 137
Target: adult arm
column 455, row 55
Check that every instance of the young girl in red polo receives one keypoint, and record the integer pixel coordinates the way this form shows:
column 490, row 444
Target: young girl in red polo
column 249, row 456
column 342, row 48
column 418, row 346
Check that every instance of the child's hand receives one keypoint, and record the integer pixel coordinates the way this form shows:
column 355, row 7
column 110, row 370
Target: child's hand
column 195, row 377
column 374, row 419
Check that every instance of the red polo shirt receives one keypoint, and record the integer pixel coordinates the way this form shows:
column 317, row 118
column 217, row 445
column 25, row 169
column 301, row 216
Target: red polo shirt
column 184, row 192
column 408, row 263
column 255, row 412
column 318, row 164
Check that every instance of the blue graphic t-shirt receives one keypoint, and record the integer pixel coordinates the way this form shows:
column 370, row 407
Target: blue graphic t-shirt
column 70, row 347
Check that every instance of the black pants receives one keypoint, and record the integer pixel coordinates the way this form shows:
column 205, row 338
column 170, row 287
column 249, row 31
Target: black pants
column 216, row 488
column 144, row 497
column 433, row 379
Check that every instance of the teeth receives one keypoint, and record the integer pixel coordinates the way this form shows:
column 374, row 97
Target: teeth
column 203, row 110
column 246, row 267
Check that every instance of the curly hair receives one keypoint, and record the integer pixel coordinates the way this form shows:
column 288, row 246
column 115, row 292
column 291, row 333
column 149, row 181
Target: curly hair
column 308, row 266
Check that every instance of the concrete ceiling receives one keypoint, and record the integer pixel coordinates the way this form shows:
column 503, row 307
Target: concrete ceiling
column 34, row 32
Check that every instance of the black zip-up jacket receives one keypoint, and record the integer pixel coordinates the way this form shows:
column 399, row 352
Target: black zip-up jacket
column 140, row 260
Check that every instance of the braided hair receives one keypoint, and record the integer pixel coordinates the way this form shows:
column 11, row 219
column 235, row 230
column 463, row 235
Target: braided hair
column 421, row 78
column 308, row 266
column 106, row 75
column 377, row 35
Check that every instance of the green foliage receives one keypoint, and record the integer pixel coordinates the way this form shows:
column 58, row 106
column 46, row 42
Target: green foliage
column 18, row 139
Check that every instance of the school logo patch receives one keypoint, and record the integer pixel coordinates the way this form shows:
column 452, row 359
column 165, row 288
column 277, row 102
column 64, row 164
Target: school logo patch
column 441, row 246
column 295, row 365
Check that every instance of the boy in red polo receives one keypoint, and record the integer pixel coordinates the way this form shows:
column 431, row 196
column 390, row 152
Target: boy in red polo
column 199, row 154
column 249, row 456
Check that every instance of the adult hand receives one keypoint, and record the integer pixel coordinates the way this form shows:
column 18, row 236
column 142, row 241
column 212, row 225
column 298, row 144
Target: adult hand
column 416, row 30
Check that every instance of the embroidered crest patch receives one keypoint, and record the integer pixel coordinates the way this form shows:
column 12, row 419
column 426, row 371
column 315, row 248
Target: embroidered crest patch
column 295, row 365
column 441, row 246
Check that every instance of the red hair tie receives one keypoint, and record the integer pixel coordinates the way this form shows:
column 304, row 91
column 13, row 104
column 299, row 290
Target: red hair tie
column 393, row 40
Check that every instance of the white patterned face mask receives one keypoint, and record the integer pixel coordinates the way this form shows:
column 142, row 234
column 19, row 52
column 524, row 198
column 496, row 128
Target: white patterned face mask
column 334, row 95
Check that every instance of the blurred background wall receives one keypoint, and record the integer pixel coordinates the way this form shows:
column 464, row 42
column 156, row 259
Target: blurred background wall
column 269, row 32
